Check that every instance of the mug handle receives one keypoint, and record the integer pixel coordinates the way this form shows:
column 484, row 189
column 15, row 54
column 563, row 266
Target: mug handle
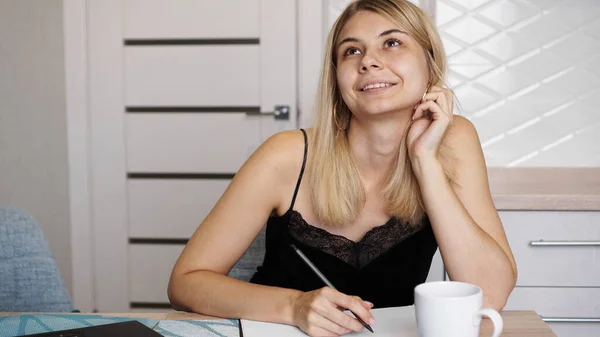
column 494, row 317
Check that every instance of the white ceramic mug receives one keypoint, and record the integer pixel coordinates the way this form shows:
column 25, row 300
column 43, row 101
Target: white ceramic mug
column 452, row 309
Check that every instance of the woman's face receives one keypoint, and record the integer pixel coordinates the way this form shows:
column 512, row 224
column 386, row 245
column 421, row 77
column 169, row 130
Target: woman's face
column 380, row 68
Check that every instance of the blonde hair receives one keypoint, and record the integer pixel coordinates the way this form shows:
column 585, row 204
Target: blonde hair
column 337, row 193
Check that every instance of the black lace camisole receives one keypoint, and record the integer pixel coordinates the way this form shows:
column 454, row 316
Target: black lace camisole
column 383, row 267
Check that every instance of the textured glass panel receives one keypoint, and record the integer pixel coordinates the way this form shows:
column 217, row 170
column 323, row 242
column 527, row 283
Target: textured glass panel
column 468, row 30
column 527, row 74
column 506, row 46
column 468, row 4
column 507, row 13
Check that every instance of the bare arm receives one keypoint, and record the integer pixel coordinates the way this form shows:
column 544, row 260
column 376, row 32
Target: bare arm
column 466, row 224
column 198, row 281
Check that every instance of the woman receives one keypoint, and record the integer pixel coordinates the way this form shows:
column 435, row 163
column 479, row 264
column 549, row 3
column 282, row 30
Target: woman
column 385, row 149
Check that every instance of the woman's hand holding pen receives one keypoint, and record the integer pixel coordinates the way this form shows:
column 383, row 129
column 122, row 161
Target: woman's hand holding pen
column 320, row 312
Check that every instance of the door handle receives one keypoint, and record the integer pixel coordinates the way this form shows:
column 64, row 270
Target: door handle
column 543, row 243
column 281, row 112
column 571, row 319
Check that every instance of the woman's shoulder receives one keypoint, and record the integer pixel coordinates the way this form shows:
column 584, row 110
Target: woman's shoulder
column 283, row 152
column 464, row 145
column 462, row 130
column 285, row 145
column 462, row 135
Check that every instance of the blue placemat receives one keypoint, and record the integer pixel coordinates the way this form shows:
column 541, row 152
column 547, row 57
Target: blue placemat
column 216, row 328
column 22, row 325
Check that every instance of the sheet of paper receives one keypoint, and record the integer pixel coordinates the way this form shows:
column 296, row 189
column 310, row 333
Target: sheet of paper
column 390, row 322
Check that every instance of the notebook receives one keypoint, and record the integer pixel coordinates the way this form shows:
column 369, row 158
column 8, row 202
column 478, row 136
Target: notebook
column 121, row 329
column 389, row 322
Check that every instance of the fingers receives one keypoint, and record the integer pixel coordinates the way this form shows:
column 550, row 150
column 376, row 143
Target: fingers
column 368, row 305
column 430, row 106
column 341, row 320
column 437, row 97
column 445, row 98
column 321, row 312
column 352, row 303
column 440, row 99
column 322, row 318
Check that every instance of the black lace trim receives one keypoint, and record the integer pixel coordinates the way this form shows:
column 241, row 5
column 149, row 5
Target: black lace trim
column 376, row 241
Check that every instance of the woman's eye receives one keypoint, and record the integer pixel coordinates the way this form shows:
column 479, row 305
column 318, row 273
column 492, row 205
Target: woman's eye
column 351, row 51
column 392, row 43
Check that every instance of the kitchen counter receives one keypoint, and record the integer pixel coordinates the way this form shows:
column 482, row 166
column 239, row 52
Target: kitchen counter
column 532, row 188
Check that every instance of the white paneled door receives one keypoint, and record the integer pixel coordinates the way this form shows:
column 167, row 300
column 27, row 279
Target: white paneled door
column 181, row 92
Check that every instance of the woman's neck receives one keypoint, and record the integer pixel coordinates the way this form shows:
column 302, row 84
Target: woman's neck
column 375, row 143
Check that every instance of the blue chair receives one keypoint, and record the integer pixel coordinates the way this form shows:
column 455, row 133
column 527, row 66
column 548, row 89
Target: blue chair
column 29, row 278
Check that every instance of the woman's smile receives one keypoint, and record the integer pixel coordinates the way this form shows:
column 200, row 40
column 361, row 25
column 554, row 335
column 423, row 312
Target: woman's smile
column 375, row 86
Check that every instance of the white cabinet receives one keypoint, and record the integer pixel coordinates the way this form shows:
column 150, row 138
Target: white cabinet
column 559, row 274
column 568, row 311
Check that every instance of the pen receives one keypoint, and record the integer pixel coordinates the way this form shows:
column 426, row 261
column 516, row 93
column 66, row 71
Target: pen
column 325, row 280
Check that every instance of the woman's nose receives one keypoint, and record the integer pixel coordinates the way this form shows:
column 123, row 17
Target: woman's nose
column 370, row 61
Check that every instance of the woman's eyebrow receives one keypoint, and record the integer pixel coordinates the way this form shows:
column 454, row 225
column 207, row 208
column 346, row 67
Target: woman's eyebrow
column 348, row 39
column 391, row 31
column 384, row 33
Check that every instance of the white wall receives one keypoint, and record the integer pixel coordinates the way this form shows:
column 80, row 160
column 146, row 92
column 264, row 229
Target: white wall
column 33, row 130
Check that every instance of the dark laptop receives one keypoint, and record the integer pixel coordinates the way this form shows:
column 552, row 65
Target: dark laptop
column 122, row 329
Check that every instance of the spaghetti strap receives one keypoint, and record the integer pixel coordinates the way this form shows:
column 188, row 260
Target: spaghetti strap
column 301, row 170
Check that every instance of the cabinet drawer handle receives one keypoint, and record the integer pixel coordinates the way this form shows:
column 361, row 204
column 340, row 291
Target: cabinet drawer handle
column 565, row 243
column 571, row 319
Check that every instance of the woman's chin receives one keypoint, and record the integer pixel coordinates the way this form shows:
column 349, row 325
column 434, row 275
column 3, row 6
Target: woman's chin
column 385, row 112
